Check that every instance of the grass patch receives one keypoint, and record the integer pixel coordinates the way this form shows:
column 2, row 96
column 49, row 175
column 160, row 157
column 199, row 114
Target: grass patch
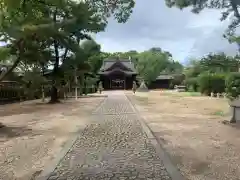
column 181, row 94
column 218, row 113
column 192, row 93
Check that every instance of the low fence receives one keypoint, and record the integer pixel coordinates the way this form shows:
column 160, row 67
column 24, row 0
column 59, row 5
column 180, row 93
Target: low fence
column 12, row 91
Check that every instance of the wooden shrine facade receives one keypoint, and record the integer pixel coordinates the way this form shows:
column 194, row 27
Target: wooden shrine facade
column 117, row 74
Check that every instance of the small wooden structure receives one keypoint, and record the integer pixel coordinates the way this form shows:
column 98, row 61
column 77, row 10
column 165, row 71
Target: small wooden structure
column 163, row 81
column 180, row 88
column 9, row 91
column 117, row 74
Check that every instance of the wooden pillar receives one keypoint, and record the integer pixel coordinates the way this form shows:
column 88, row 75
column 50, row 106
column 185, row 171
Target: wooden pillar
column 76, row 82
column 85, row 84
column 110, row 83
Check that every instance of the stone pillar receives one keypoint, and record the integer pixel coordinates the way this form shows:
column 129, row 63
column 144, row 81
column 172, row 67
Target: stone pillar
column 235, row 111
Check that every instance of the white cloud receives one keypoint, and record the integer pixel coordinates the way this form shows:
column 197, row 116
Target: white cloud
column 182, row 33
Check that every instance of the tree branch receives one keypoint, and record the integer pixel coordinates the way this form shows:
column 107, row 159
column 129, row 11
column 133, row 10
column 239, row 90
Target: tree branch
column 235, row 9
column 56, row 64
column 4, row 75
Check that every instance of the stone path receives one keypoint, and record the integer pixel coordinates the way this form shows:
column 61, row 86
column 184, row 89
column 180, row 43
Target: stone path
column 114, row 149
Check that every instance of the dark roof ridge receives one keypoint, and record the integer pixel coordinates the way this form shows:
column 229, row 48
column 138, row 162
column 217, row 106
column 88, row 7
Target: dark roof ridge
column 116, row 59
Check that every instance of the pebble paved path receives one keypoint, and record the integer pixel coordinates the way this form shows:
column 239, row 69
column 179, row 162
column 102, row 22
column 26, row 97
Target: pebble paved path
column 114, row 149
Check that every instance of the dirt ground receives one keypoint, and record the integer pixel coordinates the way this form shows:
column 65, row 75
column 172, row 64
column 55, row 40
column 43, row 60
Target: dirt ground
column 190, row 129
column 34, row 133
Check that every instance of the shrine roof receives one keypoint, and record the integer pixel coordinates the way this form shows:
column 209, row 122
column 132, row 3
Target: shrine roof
column 108, row 63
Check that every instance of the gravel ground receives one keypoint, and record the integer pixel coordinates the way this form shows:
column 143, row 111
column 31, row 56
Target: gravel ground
column 115, row 148
column 35, row 132
column 191, row 131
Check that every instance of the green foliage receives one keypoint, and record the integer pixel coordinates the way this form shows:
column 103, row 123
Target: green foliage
column 4, row 54
column 175, row 67
column 91, row 85
column 220, row 62
column 211, row 83
column 125, row 55
column 192, row 84
column 233, row 85
column 150, row 64
column 210, row 64
column 94, row 57
column 32, row 82
column 178, row 79
column 193, row 69
column 48, row 32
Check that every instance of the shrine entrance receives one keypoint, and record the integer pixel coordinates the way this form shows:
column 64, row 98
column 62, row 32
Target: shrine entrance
column 117, row 84
column 117, row 74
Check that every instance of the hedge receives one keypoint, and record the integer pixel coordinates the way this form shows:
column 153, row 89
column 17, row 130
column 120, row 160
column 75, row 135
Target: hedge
column 192, row 84
column 233, row 85
column 211, row 83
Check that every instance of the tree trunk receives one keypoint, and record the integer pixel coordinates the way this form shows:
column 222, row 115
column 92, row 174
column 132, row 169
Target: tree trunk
column 76, row 82
column 234, row 4
column 69, row 88
column 43, row 94
column 54, row 95
column 76, row 93
column 85, row 85
column 54, row 90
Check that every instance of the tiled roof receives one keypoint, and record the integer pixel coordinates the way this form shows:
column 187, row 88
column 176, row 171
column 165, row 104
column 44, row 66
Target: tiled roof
column 107, row 63
column 119, row 70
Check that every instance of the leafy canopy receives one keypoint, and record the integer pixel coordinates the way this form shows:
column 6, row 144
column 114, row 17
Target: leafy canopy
column 151, row 63
column 33, row 28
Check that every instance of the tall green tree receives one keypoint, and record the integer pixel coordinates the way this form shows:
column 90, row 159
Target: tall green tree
column 193, row 69
column 150, row 64
column 93, row 55
column 220, row 62
column 132, row 54
column 32, row 28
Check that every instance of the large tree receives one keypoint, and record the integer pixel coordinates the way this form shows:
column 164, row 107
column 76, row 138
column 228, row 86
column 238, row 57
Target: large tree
column 212, row 63
column 150, row 64
column 220, row 62
column 33, row 29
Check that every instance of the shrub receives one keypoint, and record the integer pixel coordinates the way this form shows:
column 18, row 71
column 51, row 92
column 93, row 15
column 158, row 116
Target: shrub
column 178, row 79
column 233, row 85
column 211, row 83
column 192, row 84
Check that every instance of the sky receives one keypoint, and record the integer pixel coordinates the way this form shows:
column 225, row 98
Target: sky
column 182, row 33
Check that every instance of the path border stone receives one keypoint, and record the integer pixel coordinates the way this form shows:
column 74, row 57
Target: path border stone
column 49, row 169
column 173, row 171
